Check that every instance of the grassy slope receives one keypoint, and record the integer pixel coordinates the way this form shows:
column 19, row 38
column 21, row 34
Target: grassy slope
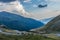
column 24, row 37
column 34, row 37
column 52, row 27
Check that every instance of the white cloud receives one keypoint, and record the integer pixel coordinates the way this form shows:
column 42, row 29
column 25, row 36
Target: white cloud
column 15, row 6
column 27, row 0
column 35, row 5
column 55, row 0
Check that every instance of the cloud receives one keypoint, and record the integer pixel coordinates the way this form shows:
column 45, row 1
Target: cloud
column 55, row 0
column 27, row 0
column 14, row 6
column 35, row 5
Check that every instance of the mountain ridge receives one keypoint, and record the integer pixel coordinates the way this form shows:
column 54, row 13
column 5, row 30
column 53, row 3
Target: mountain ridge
column 51, row 27
column 18, row 22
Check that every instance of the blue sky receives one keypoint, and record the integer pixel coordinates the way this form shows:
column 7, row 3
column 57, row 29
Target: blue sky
column 51, row 10
column 31, row 7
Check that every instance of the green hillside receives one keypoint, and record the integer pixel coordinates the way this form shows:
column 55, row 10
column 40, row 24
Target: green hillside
column 24, row 37
column 13, row 35
column 51, row 27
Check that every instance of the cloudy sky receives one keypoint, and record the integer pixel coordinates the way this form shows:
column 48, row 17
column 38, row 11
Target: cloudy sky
column 30, row 7
column 11, row 5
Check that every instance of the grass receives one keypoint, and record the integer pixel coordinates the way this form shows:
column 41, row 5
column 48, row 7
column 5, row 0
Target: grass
column 53, row 36
column 24, row 37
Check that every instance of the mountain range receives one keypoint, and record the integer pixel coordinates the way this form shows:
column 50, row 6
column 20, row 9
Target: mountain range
column 51, row 27
column 18, row 22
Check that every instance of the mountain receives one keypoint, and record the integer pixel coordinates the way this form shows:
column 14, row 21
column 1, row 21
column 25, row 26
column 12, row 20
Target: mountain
column 46, row 20
column 17, row 35
column 17, row 22
column 7, row 1
column 51, row 27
